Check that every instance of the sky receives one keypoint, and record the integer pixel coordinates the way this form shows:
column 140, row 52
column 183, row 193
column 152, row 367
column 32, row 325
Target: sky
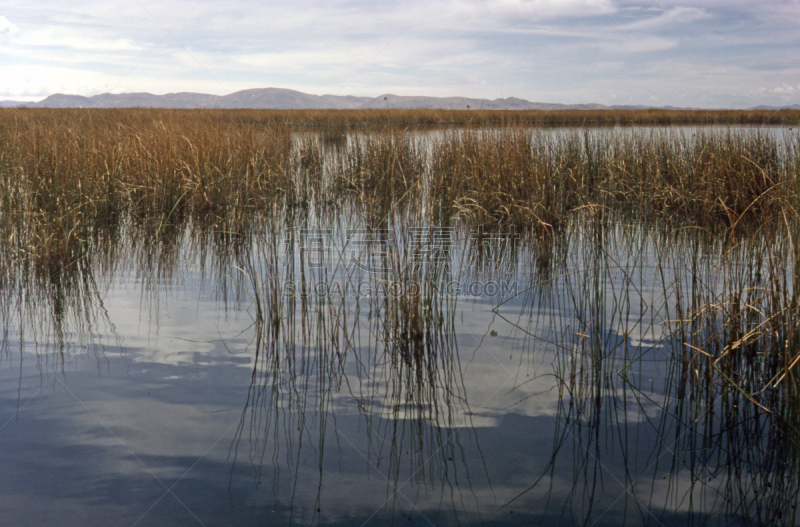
column 714, row 54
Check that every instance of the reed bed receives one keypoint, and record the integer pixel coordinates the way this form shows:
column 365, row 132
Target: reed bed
column 528, row 179
column 100, row 163
column 675, row 356
column 634, row 246
column 70, row 169
column 381, row 171
column 71, row 179
column 603, row 295
column 334, row 122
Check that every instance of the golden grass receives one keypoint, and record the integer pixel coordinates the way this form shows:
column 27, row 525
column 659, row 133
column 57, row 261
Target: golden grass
column 71, row 181
column 381, row 170
column 531, row 179
column 67, row 174
column 333, row 122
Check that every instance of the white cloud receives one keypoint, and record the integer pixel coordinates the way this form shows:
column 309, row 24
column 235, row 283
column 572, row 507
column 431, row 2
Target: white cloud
column 6, row 27
column 786, row 89
column 62, row 37
column 646, row 44
column 25, row 82
column 535, row 49
column 34, row 81
column 672, row 17
column 534, row 9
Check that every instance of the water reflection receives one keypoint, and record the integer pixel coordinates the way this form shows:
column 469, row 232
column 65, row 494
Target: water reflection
column 338, row 370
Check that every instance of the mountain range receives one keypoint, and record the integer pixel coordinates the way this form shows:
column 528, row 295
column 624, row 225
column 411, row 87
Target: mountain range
column 279, row 98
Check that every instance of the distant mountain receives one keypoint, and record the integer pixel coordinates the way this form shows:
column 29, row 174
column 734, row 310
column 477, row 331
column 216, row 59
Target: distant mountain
column 11, row 104
column 762, row 107
column 278, row 98
column 59, row 100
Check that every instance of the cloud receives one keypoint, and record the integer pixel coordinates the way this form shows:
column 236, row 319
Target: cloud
column 62, row 37
column 785, row 89
column 670, row 18
column 542, row 50
column 607, row 65
column 535, row 9
column 6, row 27
column 646, row 44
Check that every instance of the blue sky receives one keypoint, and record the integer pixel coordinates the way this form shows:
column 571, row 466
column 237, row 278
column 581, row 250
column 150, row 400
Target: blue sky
column 731, row 54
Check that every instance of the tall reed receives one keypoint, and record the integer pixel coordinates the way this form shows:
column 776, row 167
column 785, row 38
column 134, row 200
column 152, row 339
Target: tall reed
column 533, row 179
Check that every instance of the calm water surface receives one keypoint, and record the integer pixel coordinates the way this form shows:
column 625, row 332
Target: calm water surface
column 326, row 374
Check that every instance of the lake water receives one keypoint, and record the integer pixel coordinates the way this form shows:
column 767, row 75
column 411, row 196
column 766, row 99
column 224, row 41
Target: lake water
column 325, row 373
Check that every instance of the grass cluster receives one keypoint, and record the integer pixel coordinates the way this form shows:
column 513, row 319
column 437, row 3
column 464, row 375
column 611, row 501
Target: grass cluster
column 381, row 170
column 65, row 177
column 529, row 179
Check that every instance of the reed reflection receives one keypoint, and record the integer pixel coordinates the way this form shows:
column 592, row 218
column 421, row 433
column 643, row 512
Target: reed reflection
column 665, row 321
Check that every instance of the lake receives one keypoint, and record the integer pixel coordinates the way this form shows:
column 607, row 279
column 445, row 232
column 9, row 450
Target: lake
column 324, row 368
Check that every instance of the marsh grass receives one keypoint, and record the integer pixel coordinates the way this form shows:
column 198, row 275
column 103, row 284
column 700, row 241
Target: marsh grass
column 687, row 238
column 381, row 171
column 533, row 180
column 394, row 356
column 335, row 123
column 73, row 171
column 72, row 179
column 645, row 321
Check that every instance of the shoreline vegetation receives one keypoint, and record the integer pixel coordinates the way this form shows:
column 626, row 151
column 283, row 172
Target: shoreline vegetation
column 499, row 171
column 377, row 119
column 73, row 181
